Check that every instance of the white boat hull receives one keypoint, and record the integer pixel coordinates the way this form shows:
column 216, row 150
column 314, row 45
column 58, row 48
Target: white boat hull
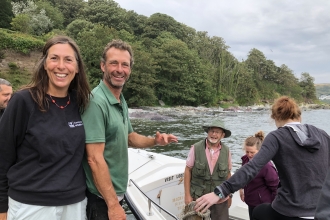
column 160, row 178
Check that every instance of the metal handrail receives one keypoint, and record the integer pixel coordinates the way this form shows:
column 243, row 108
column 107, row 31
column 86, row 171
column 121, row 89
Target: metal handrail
column 150, row 200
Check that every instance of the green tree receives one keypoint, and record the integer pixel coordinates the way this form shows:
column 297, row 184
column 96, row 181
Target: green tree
column 21, row 23
column 179, row 72
column 37, row 21
column 136, row 22
column 287, row 83
column 257, row 62
column 158, row 23
column 107, row 13
column 54, row 14
column 308, row 88
column 261, row 68
column 92, row 43
column 247, row 93
column 69, row 9
column 140, row 90
column 77, row 26
column 40, row 23
column 6, row 13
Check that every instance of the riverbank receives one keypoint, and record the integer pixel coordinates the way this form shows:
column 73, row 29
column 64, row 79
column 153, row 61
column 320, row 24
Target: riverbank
column 191, row 109
column 168, row 113
column 315, row 106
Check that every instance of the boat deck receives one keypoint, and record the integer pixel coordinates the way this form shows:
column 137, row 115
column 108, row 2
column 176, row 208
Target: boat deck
column 156, row 180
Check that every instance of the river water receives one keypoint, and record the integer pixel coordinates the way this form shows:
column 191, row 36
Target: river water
column 187, row 124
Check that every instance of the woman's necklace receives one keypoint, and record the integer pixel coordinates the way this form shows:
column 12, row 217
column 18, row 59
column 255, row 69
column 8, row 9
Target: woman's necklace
column 60, row 106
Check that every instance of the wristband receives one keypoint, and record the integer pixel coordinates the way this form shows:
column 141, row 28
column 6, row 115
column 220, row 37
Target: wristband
column 218, row 192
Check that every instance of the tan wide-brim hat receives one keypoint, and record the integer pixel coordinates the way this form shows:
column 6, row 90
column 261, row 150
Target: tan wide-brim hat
column 217, row 124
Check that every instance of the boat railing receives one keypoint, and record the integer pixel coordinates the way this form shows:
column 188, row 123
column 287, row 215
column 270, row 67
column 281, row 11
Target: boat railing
column 149, row 213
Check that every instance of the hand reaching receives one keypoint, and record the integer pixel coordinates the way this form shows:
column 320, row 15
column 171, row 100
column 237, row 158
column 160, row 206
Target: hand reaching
column 164, row 139
column 204, row 202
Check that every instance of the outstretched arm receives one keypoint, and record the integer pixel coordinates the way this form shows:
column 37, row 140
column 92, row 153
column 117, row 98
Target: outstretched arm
column 139, row 141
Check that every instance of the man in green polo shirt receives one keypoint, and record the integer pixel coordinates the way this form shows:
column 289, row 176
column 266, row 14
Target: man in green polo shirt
column 109, row 133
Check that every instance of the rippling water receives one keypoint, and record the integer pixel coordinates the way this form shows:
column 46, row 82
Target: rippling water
column 187, row 126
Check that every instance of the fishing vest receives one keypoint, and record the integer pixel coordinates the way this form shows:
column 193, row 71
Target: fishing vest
column 202, row 182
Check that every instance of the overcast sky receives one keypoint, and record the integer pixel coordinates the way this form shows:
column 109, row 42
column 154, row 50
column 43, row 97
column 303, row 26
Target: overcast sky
column 295, row 33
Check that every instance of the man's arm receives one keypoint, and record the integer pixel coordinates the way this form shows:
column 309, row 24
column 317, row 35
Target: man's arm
column 139, row 141
column 187, row 178
column 102, row 180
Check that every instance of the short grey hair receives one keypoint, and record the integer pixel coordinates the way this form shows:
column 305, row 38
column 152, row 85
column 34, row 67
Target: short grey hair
column 4, row 82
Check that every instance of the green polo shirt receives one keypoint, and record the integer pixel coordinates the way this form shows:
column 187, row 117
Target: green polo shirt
column 106, row 121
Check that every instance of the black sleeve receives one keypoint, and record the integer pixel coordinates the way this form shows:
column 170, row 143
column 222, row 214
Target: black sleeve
column 12, row 130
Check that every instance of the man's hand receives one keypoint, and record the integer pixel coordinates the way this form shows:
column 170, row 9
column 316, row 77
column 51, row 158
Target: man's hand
column 164, row 139
column 115, row 212
column 3, row 216
column 204, row 202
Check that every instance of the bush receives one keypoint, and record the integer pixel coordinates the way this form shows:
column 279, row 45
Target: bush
column 13, row 66
column 2, row 55
column 21, row 23
column 19, row 42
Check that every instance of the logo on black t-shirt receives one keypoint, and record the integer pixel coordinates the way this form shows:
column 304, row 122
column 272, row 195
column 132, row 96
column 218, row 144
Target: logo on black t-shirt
column 73, row 124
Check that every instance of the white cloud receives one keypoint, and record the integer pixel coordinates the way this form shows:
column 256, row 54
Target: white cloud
column 295, row 33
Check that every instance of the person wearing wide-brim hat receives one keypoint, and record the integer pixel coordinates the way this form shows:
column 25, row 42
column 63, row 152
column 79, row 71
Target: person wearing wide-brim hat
column 217, row 124
column 209, row 164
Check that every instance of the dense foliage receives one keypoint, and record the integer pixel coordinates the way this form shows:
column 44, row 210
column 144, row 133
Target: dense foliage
column 6, row 13
column 173, row 62
column 19, row 41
